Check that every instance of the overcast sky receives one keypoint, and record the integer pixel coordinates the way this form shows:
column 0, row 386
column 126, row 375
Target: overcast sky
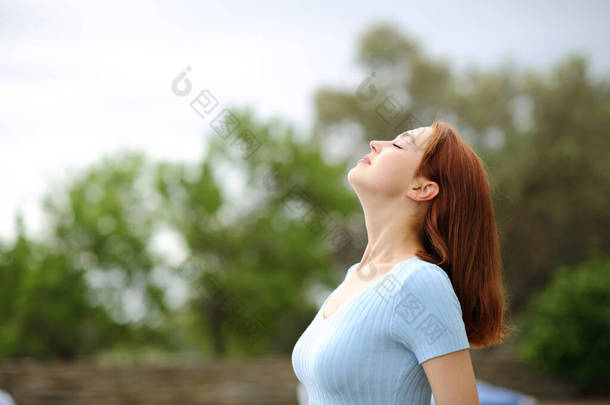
column 80, row 79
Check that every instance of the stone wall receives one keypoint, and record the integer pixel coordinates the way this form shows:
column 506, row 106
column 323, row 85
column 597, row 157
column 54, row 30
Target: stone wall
column 226, row 382
column 270, row 380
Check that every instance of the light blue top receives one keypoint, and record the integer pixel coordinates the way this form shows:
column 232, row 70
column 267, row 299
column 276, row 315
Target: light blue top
column 371, row 349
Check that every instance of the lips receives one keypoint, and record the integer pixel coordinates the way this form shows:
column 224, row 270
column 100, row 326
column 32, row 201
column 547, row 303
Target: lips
column 366, row 159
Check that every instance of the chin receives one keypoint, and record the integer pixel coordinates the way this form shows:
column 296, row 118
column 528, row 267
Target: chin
column 351, row 174
column 354, row 178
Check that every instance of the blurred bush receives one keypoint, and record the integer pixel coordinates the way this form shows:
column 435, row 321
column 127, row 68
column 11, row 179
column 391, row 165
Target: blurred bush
column 566, row 328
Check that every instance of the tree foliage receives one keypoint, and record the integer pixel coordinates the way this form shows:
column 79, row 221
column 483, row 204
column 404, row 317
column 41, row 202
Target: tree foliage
column 566, row 324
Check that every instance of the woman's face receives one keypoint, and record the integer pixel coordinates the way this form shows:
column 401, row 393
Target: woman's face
column 392, row 164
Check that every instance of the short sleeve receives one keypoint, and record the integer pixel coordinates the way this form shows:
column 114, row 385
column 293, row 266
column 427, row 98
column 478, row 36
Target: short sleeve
column 426, row 314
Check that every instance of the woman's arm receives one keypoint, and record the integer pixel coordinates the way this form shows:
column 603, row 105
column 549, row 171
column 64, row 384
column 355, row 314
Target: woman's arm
column 452, row 379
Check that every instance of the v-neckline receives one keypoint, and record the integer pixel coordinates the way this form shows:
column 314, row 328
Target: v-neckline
column 351, row 300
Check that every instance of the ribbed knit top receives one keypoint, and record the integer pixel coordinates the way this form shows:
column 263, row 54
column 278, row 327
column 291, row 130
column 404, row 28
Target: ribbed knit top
column 371, row 349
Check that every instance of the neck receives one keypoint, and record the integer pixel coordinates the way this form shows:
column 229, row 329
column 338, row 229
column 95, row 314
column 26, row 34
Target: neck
column 392, row 234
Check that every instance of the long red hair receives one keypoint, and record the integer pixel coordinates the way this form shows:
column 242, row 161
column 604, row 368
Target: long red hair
column 459, row 233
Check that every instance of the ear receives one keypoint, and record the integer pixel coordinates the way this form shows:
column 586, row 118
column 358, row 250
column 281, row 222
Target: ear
column 423, row 190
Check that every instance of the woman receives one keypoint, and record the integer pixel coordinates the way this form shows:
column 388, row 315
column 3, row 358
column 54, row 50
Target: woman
column 429, row 285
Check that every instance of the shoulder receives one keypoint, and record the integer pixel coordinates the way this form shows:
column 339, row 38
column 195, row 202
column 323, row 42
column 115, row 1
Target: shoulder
column 423, row 275
column 426, row 313
column 425, row 286
column 429, row 275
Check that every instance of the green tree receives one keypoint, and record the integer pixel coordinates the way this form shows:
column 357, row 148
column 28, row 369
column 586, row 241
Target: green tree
column 103, row 219
column 44, row 306
column 253, row 253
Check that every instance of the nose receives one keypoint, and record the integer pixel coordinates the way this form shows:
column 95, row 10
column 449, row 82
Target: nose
column 374, row 146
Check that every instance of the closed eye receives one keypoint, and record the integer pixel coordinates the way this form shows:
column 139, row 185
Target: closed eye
column 397, row 146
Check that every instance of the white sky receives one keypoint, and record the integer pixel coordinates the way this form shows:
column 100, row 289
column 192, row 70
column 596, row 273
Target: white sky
column 81, row 79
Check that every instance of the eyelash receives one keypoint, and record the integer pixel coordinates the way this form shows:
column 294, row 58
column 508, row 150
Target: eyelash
column 397, row 146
